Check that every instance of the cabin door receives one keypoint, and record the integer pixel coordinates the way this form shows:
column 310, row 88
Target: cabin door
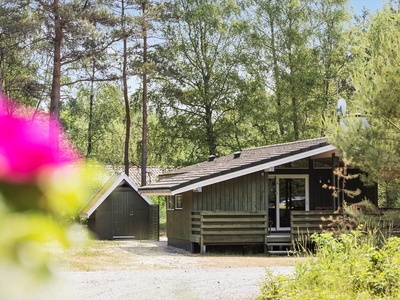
column 286, row 193
column 123, row 221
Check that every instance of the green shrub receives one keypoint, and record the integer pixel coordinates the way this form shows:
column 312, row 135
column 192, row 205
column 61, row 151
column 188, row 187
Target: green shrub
column 348, row 267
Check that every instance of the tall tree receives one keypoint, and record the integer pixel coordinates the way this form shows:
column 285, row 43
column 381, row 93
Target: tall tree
column 69, row 25
column 135, row 23
column 125, row 36
column 300, row 51
column 103, row 109
column 201, row 72
column 331, row 39
column 372, row 141
column 144, row 97
column 18, row 68
column 152, row 12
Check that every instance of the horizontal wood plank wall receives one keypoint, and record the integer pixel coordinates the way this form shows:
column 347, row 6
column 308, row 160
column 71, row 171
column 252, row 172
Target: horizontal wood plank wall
column 305, row 223
column 245, row 193
column 228, row 228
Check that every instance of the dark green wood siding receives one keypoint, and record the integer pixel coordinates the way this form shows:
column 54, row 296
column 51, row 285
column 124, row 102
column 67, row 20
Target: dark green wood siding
column 245, row 193
column 124, row 213
column 323, row 197
column 178, row 220
column 249, row 194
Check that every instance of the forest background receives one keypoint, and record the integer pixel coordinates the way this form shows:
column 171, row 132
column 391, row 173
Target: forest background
column 168, row 83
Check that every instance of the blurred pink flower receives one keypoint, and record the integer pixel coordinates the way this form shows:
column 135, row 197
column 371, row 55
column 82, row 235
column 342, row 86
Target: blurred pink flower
column 25, row 149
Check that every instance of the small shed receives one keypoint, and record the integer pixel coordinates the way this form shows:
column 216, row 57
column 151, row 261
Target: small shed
column 118, row 211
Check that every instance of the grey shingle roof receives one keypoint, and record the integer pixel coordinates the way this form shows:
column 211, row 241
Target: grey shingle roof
column 248, row 158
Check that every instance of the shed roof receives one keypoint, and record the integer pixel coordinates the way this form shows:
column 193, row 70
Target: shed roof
column 102, row 194
column 228, row 167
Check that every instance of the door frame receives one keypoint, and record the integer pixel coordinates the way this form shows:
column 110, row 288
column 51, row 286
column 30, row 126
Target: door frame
column 306, row 177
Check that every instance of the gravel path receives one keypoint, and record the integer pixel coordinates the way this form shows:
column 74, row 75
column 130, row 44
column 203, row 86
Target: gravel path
column 233, row 283
column 157, row 271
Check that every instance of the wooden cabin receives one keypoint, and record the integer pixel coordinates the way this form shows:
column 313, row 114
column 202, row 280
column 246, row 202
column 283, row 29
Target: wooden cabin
column 118, row 211
column 249, row 197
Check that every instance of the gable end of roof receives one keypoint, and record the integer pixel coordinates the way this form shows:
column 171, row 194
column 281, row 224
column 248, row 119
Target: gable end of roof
column 102, row 194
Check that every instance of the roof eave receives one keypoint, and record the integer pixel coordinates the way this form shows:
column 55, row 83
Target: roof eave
column 155, row 192
column 249, row 170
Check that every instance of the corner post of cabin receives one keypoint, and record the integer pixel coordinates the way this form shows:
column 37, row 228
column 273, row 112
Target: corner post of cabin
column 202, row 246
column 266, row 210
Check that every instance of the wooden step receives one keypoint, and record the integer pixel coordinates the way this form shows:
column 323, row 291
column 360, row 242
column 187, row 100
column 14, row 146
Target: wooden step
column 279, row 244
column 280, row 252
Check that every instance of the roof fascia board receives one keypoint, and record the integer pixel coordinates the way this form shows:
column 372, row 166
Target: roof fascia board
column 254, row 169
column 156, row 193
column 103, row 197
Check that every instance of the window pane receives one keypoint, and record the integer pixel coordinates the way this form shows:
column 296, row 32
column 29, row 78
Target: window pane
column 297, row 164
column 170, row 202
column 178, row 202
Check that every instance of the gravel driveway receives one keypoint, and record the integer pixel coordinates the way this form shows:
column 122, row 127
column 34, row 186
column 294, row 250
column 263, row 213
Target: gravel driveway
column 153, row 270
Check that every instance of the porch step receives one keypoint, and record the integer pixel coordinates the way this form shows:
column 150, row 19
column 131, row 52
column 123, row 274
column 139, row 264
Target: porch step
column 280, row 244
column 280, row 252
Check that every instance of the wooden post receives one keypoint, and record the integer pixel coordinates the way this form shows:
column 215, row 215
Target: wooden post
column 202, row 247
column 202, row 250
column 266, row 203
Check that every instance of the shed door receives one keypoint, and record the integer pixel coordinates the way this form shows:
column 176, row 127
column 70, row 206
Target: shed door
column 123, row 220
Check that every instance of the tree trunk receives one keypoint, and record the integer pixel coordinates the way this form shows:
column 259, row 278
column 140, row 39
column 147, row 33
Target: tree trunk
column 295, row 108
column 56, row 86
column 90, row 123
column 276, row 77
column 126, row 99
column 1, row 82
column 212, row 147
column 144, row 99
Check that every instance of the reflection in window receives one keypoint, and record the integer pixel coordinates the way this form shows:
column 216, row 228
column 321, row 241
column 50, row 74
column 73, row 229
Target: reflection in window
column 297, row 164
column 170, row 202
column 178, row 202
column 323, row 163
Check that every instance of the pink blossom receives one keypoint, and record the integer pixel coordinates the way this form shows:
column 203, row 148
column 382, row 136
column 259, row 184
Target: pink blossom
column 25, row 149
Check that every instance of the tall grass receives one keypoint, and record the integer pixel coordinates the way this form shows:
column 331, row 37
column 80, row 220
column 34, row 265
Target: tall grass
column 344, row 268
column 361, row 261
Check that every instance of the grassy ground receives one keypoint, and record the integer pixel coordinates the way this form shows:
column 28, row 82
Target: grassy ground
column 134, row 255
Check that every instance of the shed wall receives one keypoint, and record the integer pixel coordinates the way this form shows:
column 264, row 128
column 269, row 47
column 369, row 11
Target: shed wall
column 124, row 213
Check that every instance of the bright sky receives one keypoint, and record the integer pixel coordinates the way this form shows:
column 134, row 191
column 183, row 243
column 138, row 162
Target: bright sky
column 372, row 5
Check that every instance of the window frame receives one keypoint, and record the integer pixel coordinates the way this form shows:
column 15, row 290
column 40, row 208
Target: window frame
column 175, row 202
